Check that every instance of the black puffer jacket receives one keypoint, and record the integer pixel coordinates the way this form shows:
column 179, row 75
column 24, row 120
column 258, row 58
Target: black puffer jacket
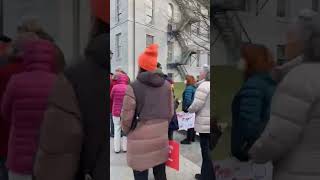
column 89, row 79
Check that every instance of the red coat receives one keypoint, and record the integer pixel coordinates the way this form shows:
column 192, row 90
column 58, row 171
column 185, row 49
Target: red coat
column 25, row 102
column 6, row 72
column 112, row 83
column 117, row 94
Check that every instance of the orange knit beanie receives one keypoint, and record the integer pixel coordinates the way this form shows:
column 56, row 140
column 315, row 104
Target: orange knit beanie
column 148, row 60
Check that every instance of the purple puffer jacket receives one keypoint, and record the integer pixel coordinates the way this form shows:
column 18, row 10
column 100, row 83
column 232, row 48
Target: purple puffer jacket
column 117, row 94
column 25, row 102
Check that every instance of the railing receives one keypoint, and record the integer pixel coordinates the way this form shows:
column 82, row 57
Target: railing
column 230, row 27
column 175, row 30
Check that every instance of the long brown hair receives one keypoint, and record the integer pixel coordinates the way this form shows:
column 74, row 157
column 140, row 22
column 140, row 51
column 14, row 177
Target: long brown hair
column 258, row 58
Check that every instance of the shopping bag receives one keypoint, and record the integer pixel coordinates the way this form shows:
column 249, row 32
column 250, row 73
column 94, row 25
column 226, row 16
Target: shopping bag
column 173, row 161
column 231, row 169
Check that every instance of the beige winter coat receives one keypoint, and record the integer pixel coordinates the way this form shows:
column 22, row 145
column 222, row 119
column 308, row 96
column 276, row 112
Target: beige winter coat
column 291, row 137
column 201, row 106
column 148, row 144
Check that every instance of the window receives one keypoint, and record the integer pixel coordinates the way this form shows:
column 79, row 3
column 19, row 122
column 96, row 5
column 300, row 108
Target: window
column 170, row 51
column 282, row 8
column 170, row 12
column 149, row 5
column 149, row 40
column 118, row 11
column 281, row 54
column 118, row 45
column 198, row 58
column 315, row 5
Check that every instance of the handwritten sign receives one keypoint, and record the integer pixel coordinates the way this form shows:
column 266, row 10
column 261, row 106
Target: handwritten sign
column 173, row 161
column 231, row 169
column 186, row 120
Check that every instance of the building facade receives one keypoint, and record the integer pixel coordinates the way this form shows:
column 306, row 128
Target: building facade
column 262, row 22
column 137, row 23
column 68, row 22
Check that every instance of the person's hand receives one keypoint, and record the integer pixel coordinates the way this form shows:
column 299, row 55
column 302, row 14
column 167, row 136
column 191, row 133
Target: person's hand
column 88, row 177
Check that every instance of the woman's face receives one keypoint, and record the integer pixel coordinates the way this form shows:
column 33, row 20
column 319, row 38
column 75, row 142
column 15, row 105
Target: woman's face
column 203, row 75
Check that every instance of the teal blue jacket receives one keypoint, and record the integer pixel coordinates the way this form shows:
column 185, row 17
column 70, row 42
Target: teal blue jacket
column 250, row 113
column 188, row 97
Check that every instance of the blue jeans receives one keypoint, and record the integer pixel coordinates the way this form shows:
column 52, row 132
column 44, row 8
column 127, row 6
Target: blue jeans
column 3, row 169
column 207, row 172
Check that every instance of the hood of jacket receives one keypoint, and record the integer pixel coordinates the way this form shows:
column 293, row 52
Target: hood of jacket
column 199, row 83
column 39, row 55
column 121, row 79
column 151, row 79
column 97, row 51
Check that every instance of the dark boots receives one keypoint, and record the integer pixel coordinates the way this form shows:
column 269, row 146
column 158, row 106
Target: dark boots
column 191, row 136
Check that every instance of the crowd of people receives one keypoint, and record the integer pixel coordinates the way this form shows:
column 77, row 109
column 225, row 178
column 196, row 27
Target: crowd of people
column 275, row 114
column 50, row 125
column 144, row 116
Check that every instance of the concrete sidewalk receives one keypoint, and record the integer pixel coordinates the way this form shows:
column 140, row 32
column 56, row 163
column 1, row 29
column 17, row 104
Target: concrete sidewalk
column 190, row 161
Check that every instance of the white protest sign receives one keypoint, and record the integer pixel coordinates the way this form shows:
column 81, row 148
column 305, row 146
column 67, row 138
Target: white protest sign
column 186, row 120
column 231, row 169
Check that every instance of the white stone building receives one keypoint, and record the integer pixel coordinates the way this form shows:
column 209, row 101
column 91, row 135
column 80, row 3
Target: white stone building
column 137, row 23
column 268, row 27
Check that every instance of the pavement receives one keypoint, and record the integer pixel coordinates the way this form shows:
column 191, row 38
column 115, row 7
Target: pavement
column 190, row 162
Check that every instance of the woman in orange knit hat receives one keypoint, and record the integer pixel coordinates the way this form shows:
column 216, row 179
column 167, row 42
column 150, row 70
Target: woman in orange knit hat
column 147, row 111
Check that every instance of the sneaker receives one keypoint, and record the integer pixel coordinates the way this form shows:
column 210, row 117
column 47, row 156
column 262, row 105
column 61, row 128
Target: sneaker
column 117, row 152
column 186, row 141
column 197, row 176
